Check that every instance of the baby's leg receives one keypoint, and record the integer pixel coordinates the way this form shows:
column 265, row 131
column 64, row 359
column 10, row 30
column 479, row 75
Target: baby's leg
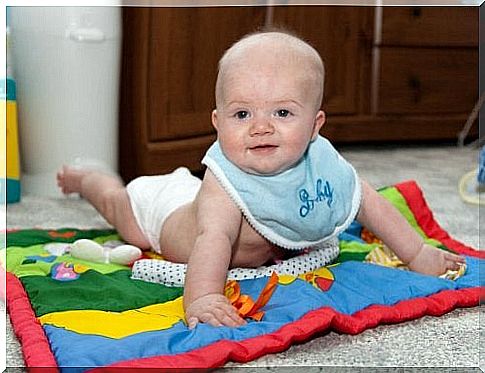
column 108, row 195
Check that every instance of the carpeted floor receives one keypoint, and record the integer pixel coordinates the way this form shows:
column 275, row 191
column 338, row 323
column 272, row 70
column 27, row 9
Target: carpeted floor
column 451, row 341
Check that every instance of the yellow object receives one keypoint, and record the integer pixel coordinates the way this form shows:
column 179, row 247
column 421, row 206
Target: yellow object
column 286, row 279
column 118, row 324
column 320, row 278
column 13, row 164
column 453, row 275
column 470, row 190
column 3, row 142
column 384, row 256
column 9, row 145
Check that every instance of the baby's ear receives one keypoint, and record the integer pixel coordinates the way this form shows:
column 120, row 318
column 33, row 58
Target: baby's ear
column 320, row 119
column 214, row 119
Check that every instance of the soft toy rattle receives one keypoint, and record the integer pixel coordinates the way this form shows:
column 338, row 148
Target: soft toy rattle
column 94, row 252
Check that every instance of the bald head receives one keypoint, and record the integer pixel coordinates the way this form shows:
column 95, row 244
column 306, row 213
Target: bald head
column 271, row 50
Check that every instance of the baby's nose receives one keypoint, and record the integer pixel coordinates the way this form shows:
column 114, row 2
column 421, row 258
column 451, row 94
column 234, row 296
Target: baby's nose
column 261, row 126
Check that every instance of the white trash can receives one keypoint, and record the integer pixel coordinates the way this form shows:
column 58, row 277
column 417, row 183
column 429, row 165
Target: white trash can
column 67, row 66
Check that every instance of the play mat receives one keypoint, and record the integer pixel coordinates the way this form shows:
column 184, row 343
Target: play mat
column 98, row 316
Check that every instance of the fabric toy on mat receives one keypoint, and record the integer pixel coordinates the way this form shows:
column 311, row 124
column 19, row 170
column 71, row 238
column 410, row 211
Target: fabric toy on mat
column 244, row 304
column 110, row 252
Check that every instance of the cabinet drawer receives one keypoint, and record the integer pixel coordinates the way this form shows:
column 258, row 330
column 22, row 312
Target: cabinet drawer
column 430, row 26
column 427, row 80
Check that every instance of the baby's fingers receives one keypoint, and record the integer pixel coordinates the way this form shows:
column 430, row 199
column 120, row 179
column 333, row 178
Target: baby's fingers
column 211, row 319
column 455, row 258
column 192, row 322
column 228, row 316
column 218, row 317
column 233, row 319
column 453, row 265
column 454, row 262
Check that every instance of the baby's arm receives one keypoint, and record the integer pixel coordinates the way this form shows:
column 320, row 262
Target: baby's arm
column 384, row 220
column 218, row 225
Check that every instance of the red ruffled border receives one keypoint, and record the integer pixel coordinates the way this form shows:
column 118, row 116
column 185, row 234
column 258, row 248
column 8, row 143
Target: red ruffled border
column 35, row 346
column 37, row 352
column 424, row 216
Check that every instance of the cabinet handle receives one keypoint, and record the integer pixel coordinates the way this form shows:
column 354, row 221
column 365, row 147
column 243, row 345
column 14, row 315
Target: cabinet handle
column 415, row 85
column 416, row 12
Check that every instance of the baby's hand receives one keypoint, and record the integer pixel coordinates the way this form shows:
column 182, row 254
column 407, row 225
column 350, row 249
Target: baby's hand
column 214, row 309
column 433, row 261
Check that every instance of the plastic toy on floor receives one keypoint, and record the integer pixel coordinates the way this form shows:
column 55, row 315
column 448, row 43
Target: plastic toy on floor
column 472, row 184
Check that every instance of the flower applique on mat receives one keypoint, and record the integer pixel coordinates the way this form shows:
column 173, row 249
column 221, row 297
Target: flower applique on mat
column 245, row 305
column 67, row 271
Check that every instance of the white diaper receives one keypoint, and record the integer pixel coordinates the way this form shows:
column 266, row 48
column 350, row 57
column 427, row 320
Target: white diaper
column 154, row 198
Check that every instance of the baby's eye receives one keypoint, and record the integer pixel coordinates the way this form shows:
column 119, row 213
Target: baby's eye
column 282, row 113
column 242, row 114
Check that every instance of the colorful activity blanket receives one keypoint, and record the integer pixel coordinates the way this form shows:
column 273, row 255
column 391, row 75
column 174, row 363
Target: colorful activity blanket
column 70, row 313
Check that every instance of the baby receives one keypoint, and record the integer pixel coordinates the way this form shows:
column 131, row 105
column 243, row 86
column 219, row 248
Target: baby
column 272, row 184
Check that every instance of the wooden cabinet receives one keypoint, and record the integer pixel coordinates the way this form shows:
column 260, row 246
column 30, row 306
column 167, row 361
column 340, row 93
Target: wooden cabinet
column 426, row 68
column 184, row 46
column 427, row 26
column 405, row 73
column 426, row 81
column 168, row 75
column 336, row 33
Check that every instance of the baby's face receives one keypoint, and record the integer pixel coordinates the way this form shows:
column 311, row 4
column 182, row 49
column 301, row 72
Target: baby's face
column 267, row 116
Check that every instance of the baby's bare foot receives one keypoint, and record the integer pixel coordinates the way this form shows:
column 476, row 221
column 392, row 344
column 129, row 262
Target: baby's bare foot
column 69, row 179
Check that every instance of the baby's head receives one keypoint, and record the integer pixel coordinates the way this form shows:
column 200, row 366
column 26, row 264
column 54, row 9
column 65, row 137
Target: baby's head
column 268, row 95
column 281, row 48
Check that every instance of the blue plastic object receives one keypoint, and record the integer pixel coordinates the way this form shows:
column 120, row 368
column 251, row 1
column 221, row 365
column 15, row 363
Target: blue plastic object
column 481, row 167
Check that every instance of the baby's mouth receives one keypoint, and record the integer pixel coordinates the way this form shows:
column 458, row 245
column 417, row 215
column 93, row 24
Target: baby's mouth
column 263, row 149
column 263, row 146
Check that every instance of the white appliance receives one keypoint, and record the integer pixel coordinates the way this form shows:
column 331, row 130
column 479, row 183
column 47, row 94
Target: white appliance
column 67, row 65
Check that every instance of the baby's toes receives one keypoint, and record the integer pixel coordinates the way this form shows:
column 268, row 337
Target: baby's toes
column 61, row 175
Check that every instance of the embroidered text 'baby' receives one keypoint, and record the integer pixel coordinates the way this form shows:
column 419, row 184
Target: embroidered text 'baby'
column 324, row 193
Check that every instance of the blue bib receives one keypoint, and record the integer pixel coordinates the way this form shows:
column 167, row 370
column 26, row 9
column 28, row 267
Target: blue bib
column 301, row 207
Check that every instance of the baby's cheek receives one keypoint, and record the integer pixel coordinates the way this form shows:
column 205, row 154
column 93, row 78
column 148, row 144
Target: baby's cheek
column 231, row 149
column 297, row 149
